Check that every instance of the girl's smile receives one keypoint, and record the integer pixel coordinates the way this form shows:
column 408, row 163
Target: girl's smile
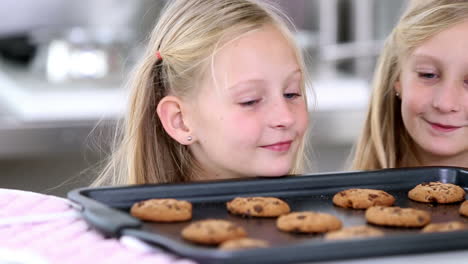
column 443, row 128
column 279, row 147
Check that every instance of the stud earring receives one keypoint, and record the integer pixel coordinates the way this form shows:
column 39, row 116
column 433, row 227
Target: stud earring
column 397, row 94
column 189, row 138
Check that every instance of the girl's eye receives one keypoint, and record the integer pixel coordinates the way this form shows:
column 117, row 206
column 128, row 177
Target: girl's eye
column 249, row 103
column 427, row 75
column 291, row 95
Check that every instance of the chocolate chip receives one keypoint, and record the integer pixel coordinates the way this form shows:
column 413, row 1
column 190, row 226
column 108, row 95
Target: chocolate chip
column 301, row 217
column 258, row 208
column 372, row 196
column 420, row 219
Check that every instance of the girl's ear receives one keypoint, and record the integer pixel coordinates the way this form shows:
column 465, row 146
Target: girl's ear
column 170, row 113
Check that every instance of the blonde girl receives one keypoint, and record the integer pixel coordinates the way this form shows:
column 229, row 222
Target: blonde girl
column 418, row 113
column 218, row 94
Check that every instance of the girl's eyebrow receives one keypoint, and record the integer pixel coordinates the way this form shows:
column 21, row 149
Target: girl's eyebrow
column 293, row 74
column 261, row 81
column 425, row 57
column 246, row 83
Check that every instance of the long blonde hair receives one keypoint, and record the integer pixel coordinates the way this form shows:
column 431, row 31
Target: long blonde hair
column 186, row 36
column 384, row 142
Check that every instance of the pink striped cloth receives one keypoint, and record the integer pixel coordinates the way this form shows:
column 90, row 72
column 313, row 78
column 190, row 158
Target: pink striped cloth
column 44, row 229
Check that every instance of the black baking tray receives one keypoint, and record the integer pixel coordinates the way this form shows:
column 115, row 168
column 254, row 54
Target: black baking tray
column 107, row 208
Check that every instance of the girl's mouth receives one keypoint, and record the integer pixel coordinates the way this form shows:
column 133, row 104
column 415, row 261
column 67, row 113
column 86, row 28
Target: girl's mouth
column 280, row 146
column 443, row 128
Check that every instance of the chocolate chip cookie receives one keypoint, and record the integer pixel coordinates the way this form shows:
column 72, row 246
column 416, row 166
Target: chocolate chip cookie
column 362, row 198
column 212, row 231
column 308, row 222
column 162, row 210
column 258, row 206
column 463, row 210
column 243, row 243
column 397, row 217
column 437, row 192
column 354, row 232
column 444, row 227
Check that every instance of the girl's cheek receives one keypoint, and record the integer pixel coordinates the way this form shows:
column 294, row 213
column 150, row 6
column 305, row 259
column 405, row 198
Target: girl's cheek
column 408, row 107
column 420, row 104
column 303, row 116
column 243, row 122
column 416, row 98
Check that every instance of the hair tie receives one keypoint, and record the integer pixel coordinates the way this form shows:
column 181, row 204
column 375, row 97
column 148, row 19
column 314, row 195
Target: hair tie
column 158, row 55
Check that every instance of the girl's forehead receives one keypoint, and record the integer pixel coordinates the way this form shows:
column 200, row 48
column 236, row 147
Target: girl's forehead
column 255, row 52
column 452, row 35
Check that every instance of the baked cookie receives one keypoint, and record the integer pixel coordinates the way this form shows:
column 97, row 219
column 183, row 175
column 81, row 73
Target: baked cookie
column 362, row 198
column 162, row 210
column 464, row 208
column 444, row 227
column 308, row 222
column 243, row 243
column 437, row 192
column 212, row 231
column 396, row 216
column 354, row 232
column 258, row 206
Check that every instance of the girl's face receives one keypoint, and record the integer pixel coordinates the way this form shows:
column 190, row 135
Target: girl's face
column 250, row 114
column 434, row 97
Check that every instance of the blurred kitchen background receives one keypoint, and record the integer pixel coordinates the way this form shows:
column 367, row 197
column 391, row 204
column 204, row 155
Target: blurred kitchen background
column 63, row 66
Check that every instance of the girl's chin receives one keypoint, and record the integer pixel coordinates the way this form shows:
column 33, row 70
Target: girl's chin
column 441, row 148
column 441, row 152
column 278, row 173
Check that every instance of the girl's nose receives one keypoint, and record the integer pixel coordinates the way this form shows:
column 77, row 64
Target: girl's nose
column 282, row 115
column 448, row 98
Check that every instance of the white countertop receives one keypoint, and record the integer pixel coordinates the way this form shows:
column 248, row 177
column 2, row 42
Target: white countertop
column 31, row 100
column 39, row 118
